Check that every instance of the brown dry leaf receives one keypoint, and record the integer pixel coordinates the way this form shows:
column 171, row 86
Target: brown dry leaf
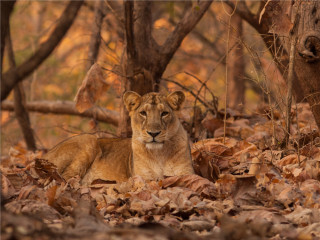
column 226, row 185
column 18, row 155
column 289, row 196
column 230, row 132
column 303, row 216
column 47, row 170
column 32, row 207
column 51, row 193
column 215, row 145
column 211, row 153
column 91, row 88
column 194, row 182
column 310, row 185
column 33, row 192
column 271, row 216
column 310, row 232
column 211, row 123
column 310, row 150
column 255, row 166
column 204, row 166
column 290, row 159
column 7, row 189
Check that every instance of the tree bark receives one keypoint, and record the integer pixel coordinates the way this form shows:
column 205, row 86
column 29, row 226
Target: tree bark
column 307, row 57
column 6, row 10
column 145, row 60
column 66, row 108
column 22, row 114
column 235, row 64
column 12, row 77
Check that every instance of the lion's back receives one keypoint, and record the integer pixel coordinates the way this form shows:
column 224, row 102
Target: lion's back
column 92, row 158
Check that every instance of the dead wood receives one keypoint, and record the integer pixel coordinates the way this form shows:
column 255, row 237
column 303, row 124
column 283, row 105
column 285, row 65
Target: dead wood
column 67, row 108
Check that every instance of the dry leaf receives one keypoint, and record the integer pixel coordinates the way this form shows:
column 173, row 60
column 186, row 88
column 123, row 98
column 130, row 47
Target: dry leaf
column 91, row 88
column 7, row 189
column 255, row 166
column 47, row 170
column 51, row 193
column 194, row 182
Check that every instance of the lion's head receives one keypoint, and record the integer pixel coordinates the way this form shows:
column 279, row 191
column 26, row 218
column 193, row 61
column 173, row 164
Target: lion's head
column 153, row 116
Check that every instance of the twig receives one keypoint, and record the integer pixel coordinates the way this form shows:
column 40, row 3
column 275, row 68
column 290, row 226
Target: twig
column 267, row 91
column 299, row 134
column 293, row 42
column 226, row 87
column 191, row 92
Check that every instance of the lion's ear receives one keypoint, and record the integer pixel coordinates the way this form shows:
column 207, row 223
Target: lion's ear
column 132, row 100
column 176, row 99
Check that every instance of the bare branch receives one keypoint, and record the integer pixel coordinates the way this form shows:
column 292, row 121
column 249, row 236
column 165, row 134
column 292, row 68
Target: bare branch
column 95, row 39
column 187, row 23
column 12, row 77
column 66, row 108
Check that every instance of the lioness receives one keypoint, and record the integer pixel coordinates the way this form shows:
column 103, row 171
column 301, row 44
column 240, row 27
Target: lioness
column 159, row 145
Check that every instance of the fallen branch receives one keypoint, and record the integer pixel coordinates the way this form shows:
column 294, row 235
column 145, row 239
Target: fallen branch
column 67, row 108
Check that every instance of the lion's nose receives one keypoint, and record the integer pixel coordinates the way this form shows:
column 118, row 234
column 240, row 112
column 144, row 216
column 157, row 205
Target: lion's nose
column 153, row 134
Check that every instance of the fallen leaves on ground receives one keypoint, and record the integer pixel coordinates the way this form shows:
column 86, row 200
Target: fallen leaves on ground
column 245, row 188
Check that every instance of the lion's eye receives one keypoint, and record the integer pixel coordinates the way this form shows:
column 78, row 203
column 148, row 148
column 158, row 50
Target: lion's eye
column 143, row 113
column 163, row 114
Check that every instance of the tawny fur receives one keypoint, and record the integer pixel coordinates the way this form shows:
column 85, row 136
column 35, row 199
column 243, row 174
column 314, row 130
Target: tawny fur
column 151, row 157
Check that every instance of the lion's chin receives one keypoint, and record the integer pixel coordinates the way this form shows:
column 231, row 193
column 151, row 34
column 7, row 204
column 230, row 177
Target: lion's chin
column 154, row 145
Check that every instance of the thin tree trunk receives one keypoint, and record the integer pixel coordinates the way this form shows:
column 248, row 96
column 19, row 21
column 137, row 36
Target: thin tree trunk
column 128, row 65
column 12, row 77
column 6, row 10
column 22, row 114
column 95, row 40
column 235, row 64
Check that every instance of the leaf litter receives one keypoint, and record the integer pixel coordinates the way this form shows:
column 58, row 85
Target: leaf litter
column 243, row 189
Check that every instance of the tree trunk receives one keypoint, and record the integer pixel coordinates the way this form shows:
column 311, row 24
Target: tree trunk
column 307, row 63
column 235, row 64
column 6, row 9
column 22, row 114
column 144, row 60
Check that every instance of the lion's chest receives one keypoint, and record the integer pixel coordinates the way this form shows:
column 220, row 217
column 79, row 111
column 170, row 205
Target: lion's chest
column 153, row 168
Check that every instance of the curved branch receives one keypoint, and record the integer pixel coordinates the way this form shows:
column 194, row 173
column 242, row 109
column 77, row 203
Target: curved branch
column 186, row 24
column 13, row 76
column 67, row 108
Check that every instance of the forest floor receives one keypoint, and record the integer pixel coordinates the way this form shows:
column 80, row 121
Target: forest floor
column 250, row 187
